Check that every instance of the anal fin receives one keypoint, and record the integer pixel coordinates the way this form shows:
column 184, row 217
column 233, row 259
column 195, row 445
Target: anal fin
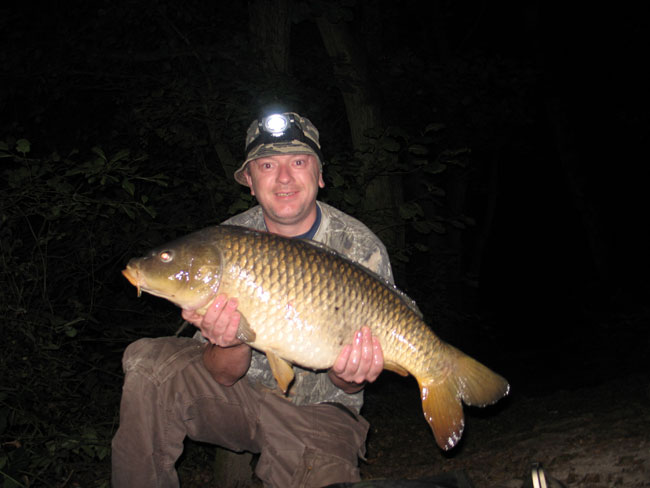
column 443, row 410
column 281, row 369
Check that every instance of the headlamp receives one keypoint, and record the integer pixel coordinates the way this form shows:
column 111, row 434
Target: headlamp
column 276, row 128
column 276, row 124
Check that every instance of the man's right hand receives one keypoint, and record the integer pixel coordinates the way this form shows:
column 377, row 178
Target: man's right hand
column 220, row 323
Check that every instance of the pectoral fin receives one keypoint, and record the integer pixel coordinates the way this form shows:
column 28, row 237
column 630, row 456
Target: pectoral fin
column 244, row 332
column 282, row 371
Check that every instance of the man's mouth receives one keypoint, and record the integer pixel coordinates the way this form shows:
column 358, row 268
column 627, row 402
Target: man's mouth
column 285, row 193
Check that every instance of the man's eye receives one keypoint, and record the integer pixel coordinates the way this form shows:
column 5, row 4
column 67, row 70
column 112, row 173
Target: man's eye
column 266, row 165
column 299, row 162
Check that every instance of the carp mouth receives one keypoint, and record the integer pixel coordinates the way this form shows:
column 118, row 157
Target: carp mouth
column 137, row 279
column 132, row 275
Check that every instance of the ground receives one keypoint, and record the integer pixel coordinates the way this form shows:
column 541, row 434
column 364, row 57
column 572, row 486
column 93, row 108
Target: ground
column 595, row 436
column 591, row 436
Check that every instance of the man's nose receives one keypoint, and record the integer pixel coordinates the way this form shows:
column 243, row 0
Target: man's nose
column 284, row 173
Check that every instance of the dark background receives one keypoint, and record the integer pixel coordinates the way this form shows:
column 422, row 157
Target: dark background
column 121, row 122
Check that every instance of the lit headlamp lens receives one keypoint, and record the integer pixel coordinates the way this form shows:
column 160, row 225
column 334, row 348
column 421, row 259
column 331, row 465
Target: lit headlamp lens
column 276, row 124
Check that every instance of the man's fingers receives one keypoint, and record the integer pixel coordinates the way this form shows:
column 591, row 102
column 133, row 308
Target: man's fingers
column 191, row 316
column 355, row 354
column 214, row 310
column 366, row 346
column 342, row 360
column 377, row 365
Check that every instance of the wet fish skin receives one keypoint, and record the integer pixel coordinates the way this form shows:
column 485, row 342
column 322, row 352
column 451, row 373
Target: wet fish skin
column 300, row 303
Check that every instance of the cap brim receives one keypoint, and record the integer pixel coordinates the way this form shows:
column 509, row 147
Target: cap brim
column 264, row 150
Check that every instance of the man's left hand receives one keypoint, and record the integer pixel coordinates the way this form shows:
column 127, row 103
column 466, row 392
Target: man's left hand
column 359, row 362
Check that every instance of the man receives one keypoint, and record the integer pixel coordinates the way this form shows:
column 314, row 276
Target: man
column 217, row 389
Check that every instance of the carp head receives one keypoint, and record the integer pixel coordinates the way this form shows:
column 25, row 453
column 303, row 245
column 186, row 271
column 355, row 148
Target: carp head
column 187, row 272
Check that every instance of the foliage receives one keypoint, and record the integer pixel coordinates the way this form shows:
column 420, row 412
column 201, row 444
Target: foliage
column 118, row 134
column 67, row 224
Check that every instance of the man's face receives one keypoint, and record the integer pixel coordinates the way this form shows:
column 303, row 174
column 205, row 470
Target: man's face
column 286, row 186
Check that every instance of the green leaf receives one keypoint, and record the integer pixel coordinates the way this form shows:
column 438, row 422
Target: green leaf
column 70, row 331
column 337, row 179
column 351, row 196
column 435, row 167
column 23, row 146
column 120, row 155
column 409, row 210
column 458, row 224
column 397, row 132
column 434, row 127
column 128, row 187
column 435, row 191
column 95, row 166
column 9, row 482
column 237, row 206
column 373, row 132
column 150, row 211
column 99, row 151
column 389, row 144
column 438, row 228
column 418, row 149
column 102, row 452
column 161, row 180
column 423, row 226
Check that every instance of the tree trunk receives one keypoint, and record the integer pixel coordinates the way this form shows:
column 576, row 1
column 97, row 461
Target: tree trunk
column 350, row 64
column 592, row 226
column 350, row 69
column 270, row 28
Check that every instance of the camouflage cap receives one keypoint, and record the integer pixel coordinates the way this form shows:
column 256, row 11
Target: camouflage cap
column 293, row 146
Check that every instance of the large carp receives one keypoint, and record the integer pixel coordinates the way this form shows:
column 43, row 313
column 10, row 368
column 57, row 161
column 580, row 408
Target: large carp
column 300, row 302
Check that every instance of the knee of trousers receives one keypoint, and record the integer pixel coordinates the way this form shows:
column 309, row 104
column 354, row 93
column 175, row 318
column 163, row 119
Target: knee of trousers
column 161, row 358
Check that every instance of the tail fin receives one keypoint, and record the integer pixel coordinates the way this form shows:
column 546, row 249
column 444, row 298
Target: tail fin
column 466, row 380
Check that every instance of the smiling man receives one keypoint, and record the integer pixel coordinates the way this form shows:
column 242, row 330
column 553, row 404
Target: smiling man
column 216, row 389
column 283, row 168
column 286, row 185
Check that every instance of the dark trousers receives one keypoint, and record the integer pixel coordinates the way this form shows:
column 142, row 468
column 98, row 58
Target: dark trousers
column 168, row 394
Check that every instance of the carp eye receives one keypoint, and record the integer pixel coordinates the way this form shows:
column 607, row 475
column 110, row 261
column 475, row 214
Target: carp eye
column 166, row 256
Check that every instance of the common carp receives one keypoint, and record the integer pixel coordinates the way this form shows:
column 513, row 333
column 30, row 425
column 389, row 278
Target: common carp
column 300, row 302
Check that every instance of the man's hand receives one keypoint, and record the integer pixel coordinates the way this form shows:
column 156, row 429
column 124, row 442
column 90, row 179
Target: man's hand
column 358, row 363
column 228, row 358
column 220, row 323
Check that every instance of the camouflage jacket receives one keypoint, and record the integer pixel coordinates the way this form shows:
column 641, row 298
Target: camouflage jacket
column 352, row 239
